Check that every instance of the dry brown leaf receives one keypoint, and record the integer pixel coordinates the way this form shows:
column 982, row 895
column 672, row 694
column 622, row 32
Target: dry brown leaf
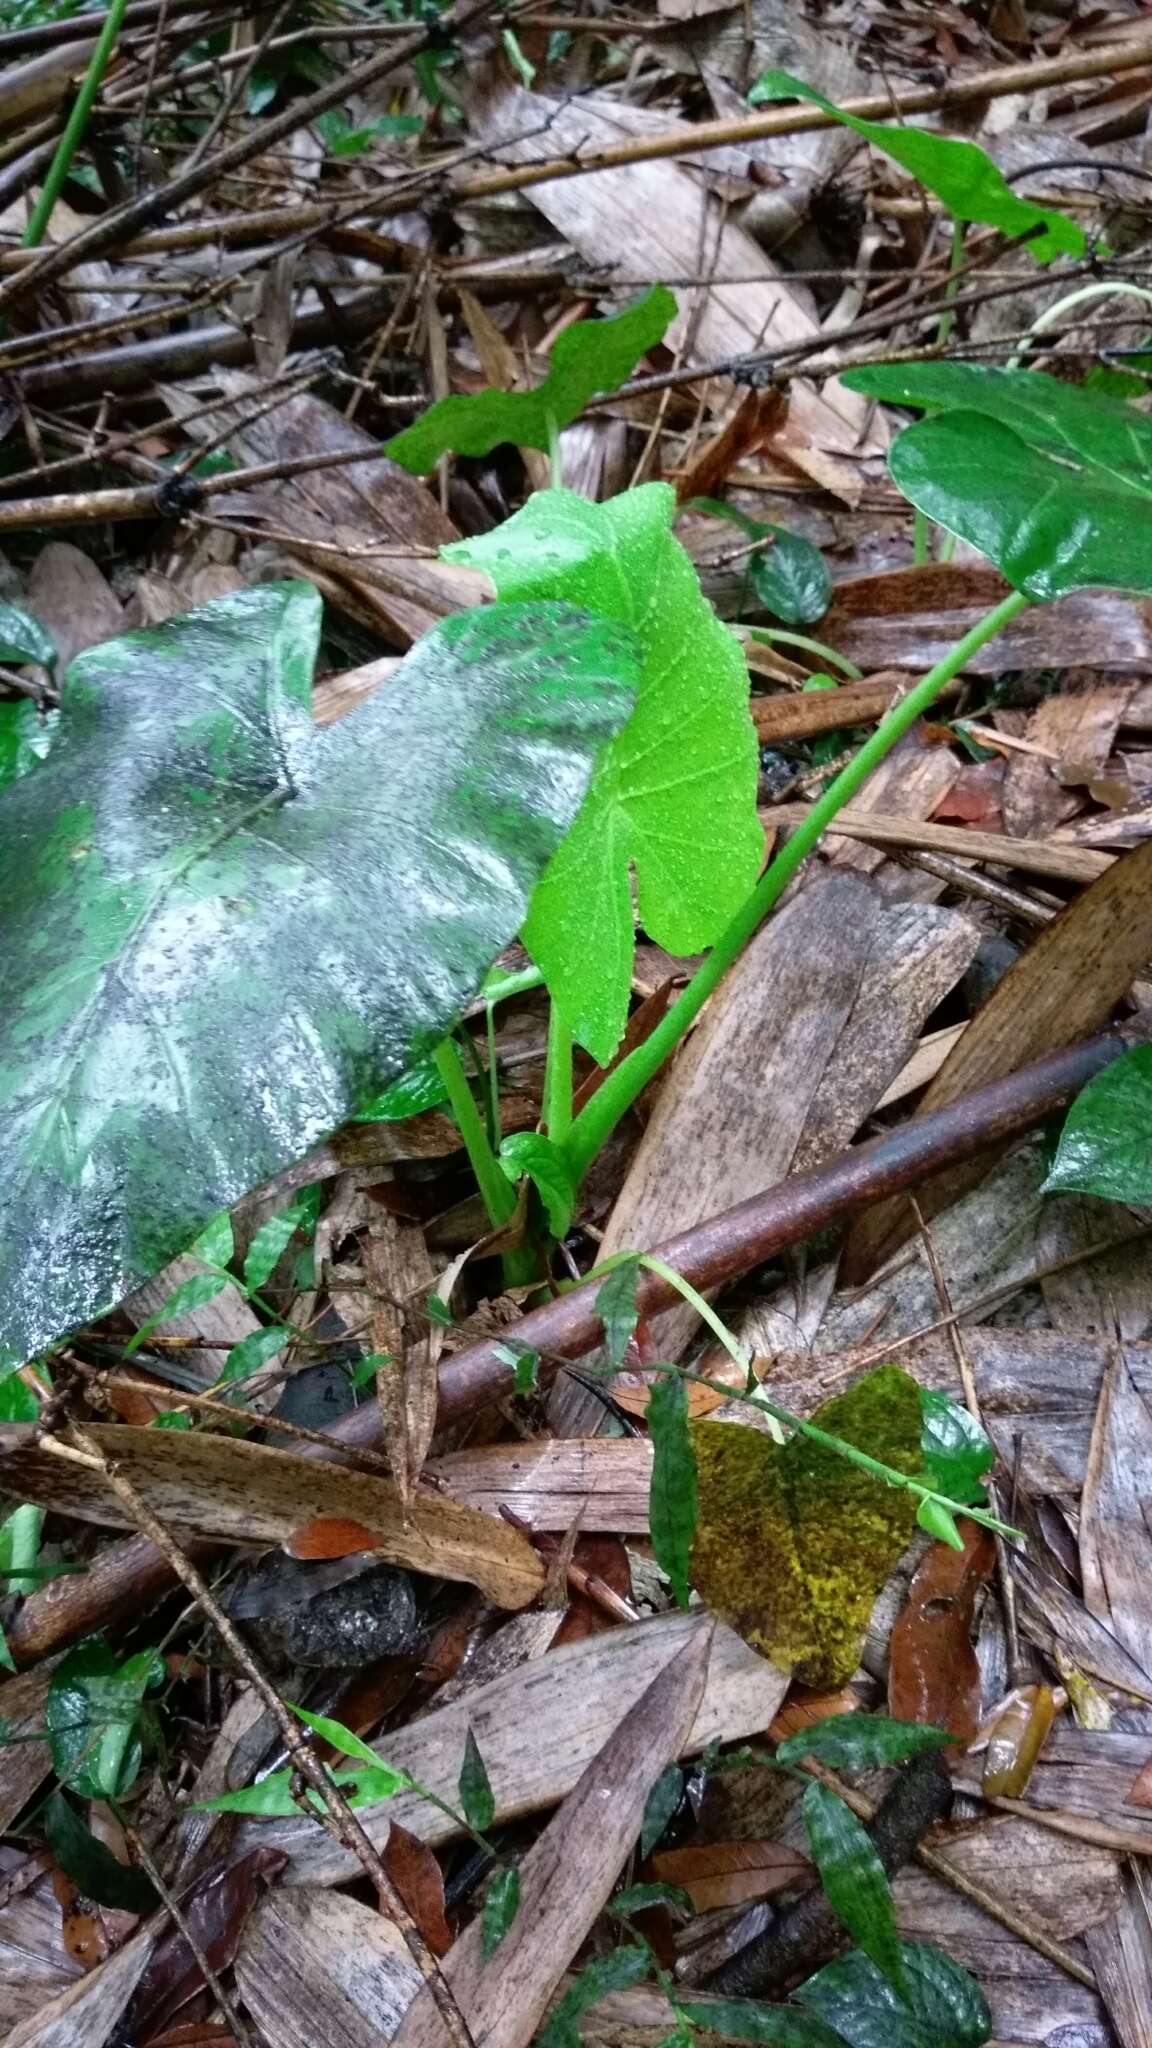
column 88, row 2012
column 933, row 1673
column 568, row 1874
column 316, row 1966
column 399, row 1272
column 911, row 618
column 730, row 1873
column 241, row 1492
column 1064, row 987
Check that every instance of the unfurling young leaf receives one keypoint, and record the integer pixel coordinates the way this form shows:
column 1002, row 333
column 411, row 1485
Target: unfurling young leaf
column 956, row 1451
column 530, row 1154
column 477, row 1799
column 590, row 357
column 616, row 1971
column 92, row 1867
column 501, row 1905
column 855, row 1881
column 964, row 179
column 675, row 796
column 793, row 1543
column 854, row 1742
column 223, row 927
column 672, row 1493
column 941, row 2007
column 1106, row 1145
column 617, row 1310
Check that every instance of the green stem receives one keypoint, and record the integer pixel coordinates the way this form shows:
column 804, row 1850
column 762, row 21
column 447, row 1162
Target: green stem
column 948, row 318
column 619, row 1090
column 497, row 1191
column 77, row 122
column 1070, row 301
column 497, row 988
column 920, row 532
column 772, row 634
column 558, row 1079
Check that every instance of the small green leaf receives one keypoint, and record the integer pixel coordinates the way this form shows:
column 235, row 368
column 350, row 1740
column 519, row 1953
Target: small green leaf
column 19, row 1547
column 589, row 357
column 529, row 1153
column 1106, row 1145
column 525, row 1365
column 662, row 1803
column 616, row 1971
column 272, row 1797
column 933, row 1517
column 964, row 179
column 675, row 795
column 943, row 2006
column 350, row 1744
column 791, row 578
column 768, row 2026
column 854, row 1879
column 501, row 1904
column 477, row 1799
column 273, row 1237
column 25, row 737
column 438, row 1311
column 215, row 1244
column 957, row 1453
column 672, row 1494
column 7, row 1661
column 92, row 1867
column 23, row 639
column 419, row 1089
column 341, row 138
column 172, row 1418
column 637, row 1898
column 191, row 1294
column 856, row 1741
column 255, row 1350
column 92, row 1717
column 617, row 1309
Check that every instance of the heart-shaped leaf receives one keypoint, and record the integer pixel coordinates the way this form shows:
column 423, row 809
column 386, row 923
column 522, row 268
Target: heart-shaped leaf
column 793, row 1543
column 591, row 356
column 1082, row 427
column 675, row 795
column 1106, row 1145
column 967, row 181
column 222, row 928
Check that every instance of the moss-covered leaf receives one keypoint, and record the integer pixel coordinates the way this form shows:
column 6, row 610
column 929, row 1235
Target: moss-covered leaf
column 793, row 1543
column 675, row 795
column 223, row 929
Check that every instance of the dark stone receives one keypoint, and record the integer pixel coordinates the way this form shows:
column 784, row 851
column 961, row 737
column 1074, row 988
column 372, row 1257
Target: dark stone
column 328, row 1615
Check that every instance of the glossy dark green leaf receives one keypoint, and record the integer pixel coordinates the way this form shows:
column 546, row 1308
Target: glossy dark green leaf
column 258, row 1348
column 92, row 1717
column 25, row 738
column 589, row 357
column 23, row 639
column 92, row 1867
column 672, row 1492
column 1081, row 427
column 1106, row 1145
column 853, row 1742
column 964, row 179
column 853, row 1877
column 936, row 1520
column 273, row 1237
column 617, row 1310
column 222, row 928
column 770, row 2026
column 616, row 1971
column 419, row 1089
column 639, row 1898
column 1048, row 527
column 957, row 1453
column 7, row 1660
column 943, row 2008
column 501, row 1905
column 662, row 1804
column 525, row 1365
column 791, row 578
column 529, row 1154
column 477, row 1799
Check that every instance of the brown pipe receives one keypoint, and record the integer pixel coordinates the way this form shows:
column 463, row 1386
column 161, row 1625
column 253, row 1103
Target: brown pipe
column 721, row 1249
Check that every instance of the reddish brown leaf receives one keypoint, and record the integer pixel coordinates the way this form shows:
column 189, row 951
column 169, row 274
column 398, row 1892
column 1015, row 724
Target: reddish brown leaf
column 606, row 1560
column 804, row 1707
column 420, row 1882
column 85, row 1937
column 217, row 1913
column 731, row 1873
column 330, row 1536
column 933, row 1675
column 197, row 2034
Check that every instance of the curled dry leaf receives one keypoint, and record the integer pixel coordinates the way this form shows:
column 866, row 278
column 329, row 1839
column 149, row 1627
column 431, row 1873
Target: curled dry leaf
column 239, row 1492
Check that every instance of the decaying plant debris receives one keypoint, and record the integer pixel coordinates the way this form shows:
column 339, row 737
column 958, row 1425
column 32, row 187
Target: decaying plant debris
column 575, row 839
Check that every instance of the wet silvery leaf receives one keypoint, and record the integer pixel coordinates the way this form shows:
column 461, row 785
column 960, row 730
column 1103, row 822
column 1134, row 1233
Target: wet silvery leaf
column 223, row 929
column 1106, row 1145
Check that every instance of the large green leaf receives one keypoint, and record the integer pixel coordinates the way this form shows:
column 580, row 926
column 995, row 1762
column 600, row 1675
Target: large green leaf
column 222, row 928
column 25, row 738
column 590, row 357
column 963, row 178
column 854, row 1742
column 943, row 2006
column 1049, row 526
column 675, row 794
column 854, row 1879
column 1106, row 1145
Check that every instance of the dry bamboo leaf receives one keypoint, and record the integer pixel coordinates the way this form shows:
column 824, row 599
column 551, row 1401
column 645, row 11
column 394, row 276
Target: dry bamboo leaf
column 240, row 1492
column 398, row 1271
column 23, row 1764
column 86, row 2015
column 537, row 1729
column 73, row 600
column 1115, row 1545
column 315, row 1966
column 568, row 1874
column 602, row 1482
column 1064, row 987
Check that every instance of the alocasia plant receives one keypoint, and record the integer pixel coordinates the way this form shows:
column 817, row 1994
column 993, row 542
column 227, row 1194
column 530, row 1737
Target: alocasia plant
column 675, row 795
column 223, row 929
